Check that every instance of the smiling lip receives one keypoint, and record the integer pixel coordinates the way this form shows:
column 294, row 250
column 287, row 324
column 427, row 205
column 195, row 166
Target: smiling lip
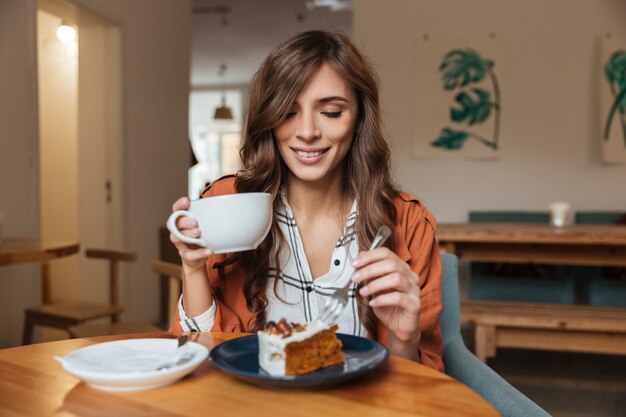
column 309, row 156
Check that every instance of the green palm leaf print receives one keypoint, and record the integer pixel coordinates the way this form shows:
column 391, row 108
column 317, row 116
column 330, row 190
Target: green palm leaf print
column 459, row 69
column 473, row 110
column 450, row 139
column 615, row 73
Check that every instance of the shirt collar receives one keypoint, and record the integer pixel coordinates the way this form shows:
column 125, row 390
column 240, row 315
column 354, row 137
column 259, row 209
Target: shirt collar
column 351, row 216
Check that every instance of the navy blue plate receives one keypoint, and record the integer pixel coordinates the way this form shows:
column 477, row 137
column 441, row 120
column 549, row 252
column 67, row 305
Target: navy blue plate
column 240, row 358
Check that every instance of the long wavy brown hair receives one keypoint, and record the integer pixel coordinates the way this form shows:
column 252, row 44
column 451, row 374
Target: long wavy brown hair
column 274, row 88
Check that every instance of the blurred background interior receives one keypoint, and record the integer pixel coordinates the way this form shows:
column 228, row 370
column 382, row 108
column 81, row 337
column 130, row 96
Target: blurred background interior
column 112, row 109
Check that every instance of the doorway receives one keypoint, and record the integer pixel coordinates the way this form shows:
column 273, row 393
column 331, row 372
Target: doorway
column 80, row 145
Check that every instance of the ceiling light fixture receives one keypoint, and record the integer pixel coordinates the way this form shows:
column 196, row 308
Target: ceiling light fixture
column 223, row 112
column 66, row 33
column 332, row 5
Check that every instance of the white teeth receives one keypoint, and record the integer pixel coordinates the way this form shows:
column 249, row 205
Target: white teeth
column 309, row 154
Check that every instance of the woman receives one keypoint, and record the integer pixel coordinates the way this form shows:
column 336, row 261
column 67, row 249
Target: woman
column 313, row 139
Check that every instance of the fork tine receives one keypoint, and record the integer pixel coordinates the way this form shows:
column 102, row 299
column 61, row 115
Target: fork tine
column 338, row 300
column 324, row 317
column 327, row 313
column 333, row 308
column 330, row 313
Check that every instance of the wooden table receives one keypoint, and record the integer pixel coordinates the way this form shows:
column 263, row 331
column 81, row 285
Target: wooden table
column 535, row 243
column 33, row 384
column 577, row 328
column 17, row 249
column 21, row 249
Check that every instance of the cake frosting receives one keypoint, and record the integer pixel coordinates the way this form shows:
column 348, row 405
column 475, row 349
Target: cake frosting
column 292, row 348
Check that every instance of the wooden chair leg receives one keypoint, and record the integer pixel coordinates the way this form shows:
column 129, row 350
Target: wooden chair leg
column 485, row 342
column 46, row 283
column 27, row 333
column 114, row 284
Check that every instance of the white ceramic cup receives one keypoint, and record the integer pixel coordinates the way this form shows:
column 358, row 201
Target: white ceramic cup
column 228, row 223
column 559, row 214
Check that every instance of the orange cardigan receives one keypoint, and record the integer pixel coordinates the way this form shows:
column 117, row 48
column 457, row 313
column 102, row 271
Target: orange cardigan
column 414, row 234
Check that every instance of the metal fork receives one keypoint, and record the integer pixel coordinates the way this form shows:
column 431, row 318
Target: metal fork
column 337, row 302
column 179, row 354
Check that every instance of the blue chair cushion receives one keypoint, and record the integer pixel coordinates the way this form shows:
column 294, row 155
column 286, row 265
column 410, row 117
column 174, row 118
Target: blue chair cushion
column 518, row 282
column 600, row 217
column 509, row 217
column 607, row 292
column 559, row 290
column 462, row 365
column 600, row 286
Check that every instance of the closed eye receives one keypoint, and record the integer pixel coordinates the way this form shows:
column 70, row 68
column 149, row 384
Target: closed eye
column 332, row 114
column 290, row 114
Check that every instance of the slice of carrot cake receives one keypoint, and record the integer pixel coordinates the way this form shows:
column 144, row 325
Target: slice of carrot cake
column 295, row 349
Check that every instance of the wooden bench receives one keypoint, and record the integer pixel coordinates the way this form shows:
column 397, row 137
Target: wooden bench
column 572, row 328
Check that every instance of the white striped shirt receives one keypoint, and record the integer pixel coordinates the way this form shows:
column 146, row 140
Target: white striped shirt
column 293, row 293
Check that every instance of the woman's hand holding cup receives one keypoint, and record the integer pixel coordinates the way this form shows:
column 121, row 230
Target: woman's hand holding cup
column 193, row 256
column 215, row 225
column 224, row 224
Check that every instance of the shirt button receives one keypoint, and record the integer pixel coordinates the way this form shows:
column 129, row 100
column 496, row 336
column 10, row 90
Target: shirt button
column 337, row 262
column 309, row 288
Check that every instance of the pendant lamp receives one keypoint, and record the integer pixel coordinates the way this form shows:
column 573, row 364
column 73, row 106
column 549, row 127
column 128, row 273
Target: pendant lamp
column 223, row 112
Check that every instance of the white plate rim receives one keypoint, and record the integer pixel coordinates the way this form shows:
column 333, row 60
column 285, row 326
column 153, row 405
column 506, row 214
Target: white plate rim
column 136, row 379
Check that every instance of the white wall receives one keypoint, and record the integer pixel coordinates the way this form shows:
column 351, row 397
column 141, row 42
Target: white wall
column 100, row 159
column 58, row 149
column 550, row 135
column 155, row 76
column 155, row 72
column 19, row 169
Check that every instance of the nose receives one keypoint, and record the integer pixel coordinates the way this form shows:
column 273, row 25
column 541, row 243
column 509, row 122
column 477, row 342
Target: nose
column 307, row 129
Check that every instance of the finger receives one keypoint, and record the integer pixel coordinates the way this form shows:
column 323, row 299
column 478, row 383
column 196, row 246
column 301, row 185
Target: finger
column 181, row 204
column 191, row 255
column 370, row 256
column 395, row 282
column 195, row 232
column 185, row 222
column 187, row 232
column 396, row 299
column 378, row 269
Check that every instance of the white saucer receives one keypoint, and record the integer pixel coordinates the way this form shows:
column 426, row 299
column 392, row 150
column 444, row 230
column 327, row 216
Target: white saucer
column 128, row 365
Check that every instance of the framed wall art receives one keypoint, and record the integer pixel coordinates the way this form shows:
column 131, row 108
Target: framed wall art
column 457, row 96
column 613, row 99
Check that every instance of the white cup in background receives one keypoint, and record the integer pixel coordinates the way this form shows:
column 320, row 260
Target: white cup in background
column 228, row 223
column 559, row 214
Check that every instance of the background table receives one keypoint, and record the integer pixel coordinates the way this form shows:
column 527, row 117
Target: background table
column 577, row 328
column 22, row 249
column 533, row 243
column 17, row 249
column 34, row 384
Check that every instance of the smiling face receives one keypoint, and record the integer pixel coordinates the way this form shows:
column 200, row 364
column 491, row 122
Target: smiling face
column 316, row 135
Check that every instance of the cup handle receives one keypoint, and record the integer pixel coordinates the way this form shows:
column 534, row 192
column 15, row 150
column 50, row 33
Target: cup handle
column 171, row 225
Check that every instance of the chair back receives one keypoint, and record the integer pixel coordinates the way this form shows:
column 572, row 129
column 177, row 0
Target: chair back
column 509, row 217
column 463, row 366
column 449, row 319
column 171, row 287
column 518, row 282
column 114, row 257
column 170, row 269
column 599, row 217
column 602, row 287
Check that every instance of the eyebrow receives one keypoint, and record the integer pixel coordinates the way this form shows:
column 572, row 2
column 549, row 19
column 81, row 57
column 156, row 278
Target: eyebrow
column 333, row 98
